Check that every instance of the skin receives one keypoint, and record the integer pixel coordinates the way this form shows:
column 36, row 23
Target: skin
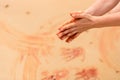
column 94, row 17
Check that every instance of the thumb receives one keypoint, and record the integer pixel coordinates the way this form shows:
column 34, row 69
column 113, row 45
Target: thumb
column 83, row 16
column 76, row 14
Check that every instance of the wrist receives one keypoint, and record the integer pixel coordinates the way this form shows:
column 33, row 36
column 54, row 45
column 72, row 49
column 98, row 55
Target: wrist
column 95, row 21
column 89, row 12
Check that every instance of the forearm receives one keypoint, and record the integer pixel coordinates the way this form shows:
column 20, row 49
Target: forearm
column 115, row 9
column 108, row 20
column 101, row 7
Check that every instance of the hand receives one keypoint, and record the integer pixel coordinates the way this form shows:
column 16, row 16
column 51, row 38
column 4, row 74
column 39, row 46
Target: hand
column 72, row 29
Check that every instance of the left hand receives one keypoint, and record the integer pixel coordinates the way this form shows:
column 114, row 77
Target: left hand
column 71, row 29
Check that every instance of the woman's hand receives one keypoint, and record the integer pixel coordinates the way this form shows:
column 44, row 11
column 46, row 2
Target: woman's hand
column 80, row 23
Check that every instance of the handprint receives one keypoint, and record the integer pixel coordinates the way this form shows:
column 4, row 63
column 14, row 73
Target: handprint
column 72, row 53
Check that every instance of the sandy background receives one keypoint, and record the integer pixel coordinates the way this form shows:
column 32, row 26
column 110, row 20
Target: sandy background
column 30, row 49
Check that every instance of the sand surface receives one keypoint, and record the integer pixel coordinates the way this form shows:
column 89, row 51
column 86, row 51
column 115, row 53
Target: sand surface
column 30, row 49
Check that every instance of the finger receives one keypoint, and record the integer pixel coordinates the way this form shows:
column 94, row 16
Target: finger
column 68, row 22
column 67, row 33
column 81, row 16
column 68, row 26
column 71, row 33
column 72, row 37
column 75, row 14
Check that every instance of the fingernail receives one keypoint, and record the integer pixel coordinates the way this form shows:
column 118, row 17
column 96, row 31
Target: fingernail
column 57, row 33
column 59, row 28
column 73, row 15
column 62, row 38
column 68, row 41
column 70, row 14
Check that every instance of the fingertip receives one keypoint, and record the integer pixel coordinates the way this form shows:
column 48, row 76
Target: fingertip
column 62, row 38
column 59, row 28
column 57, row 33
column 75, row 16
column 68, row 40
column 78, row 12
column 72, row 14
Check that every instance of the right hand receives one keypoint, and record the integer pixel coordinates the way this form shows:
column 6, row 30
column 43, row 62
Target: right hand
column 71, row 29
